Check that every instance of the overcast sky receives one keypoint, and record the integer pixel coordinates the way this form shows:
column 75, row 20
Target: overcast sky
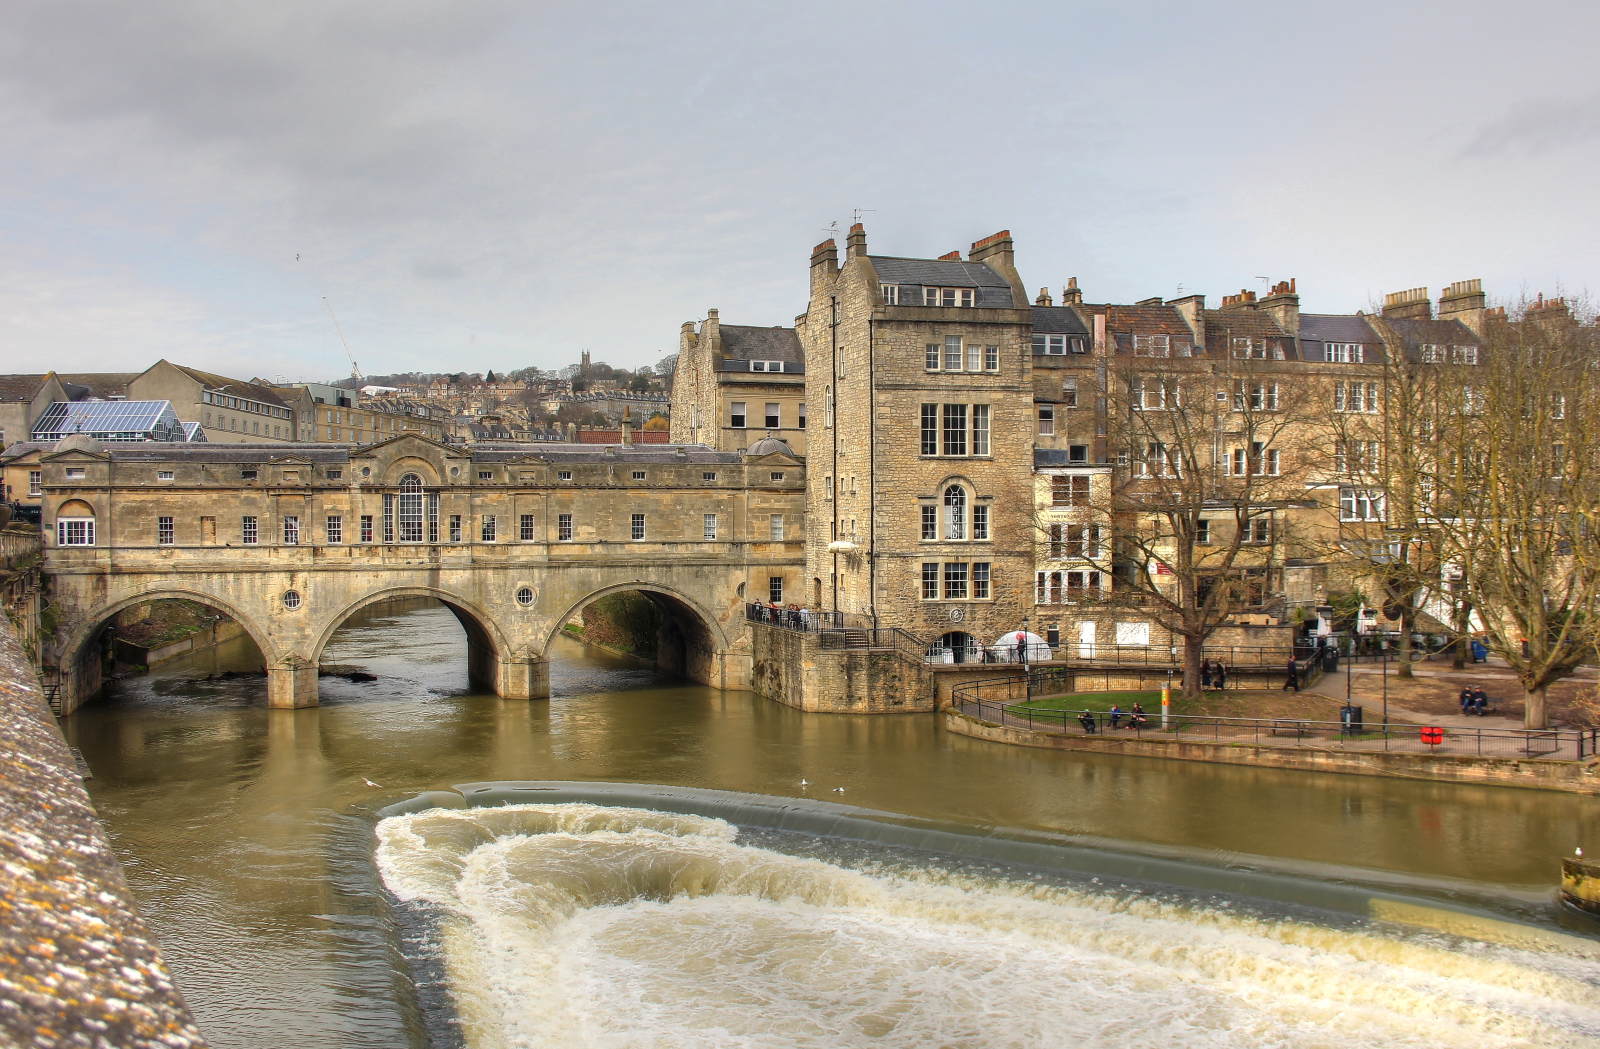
column 477, row 185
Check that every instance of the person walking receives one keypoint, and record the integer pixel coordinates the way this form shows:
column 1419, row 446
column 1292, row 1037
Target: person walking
column 1205, row 673
column 1293, row 680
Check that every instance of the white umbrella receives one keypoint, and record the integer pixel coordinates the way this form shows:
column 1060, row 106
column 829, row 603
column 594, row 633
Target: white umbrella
column 1004, row 649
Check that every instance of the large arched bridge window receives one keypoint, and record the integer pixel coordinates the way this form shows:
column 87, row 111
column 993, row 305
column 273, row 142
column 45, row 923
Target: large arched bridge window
column 409, row 510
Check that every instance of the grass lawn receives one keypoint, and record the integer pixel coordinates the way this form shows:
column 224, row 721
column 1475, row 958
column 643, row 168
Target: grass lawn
column 1233, row 703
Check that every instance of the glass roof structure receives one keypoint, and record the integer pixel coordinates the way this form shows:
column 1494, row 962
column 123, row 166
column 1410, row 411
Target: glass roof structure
column 114, row 421
column 193, row 432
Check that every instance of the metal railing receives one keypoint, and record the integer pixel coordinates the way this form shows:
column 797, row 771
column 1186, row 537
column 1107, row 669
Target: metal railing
column 1396, row 737
column 802, row 619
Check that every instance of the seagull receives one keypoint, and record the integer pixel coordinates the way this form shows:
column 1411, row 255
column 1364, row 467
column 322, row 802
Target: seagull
column 838, row 790
column 369, row 783
column 803, row 782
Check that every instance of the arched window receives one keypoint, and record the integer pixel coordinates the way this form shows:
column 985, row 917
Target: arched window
column 410, row 509
column 955, row 512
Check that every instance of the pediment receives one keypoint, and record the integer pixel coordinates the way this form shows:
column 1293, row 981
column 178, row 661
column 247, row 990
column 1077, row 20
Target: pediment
column 75, row 455
column 771, row 458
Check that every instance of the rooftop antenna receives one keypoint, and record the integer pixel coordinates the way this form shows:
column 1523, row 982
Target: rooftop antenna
column 832, row 228
column 355, row 369
column 856, row 213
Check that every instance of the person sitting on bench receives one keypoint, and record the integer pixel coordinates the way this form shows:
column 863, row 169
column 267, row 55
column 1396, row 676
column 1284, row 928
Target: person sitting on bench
column 1136, row 715
column 1466, row 700
column 1086, row 719
column 1480, row 700
column 1116, row 716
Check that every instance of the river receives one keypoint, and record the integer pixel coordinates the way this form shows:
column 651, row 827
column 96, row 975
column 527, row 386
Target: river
column 247, row 834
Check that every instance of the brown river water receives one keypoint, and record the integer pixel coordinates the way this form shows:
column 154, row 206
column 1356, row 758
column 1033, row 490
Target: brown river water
column 248, row 838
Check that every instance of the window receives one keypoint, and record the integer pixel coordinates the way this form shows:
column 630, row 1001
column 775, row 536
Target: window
column 955, row 581
column 636, row 526
column 827, row 406
column 991, row 358
column 955, row 429
column 488, row 529
column 1047, row 421
column 1078, row 453
column 980, row 429
column 1069, row 490
column 930, row 522
column 1202, row 531
column 775, row 527
column 334, row 475
column 366, row 528
column 638, row 475
column 827, row 488
column 980, row 521
column 164, row 530
column 1069, row 393
column 1355, row 396
column 525, row 528
column 291, row 530
column 947, row 296
column 800, row 418
column 766, row 366
column 709, row 522
column 890, row 293
column 75, row 531
column 930, row 357
column 1255, row 349
column 244, row 475
column 485, row 475
column 1360, row 504
column 708, row 476
column 410, row 511
column 1152, row 346
column 247, row 531
column 525, row 596
column 773, row 416
column 1255, row 396
column 980, row 580
column 163, row 475
column 35, row 482
column 1463, row 355
column 930, row 581
column 1259, row 460
column 736, row 415
column 1355, row 456
column 333, row 528
column 955, row 512
column 777, row 475
column 1155, row 463
column 1045, row 343
column 1432, row 354
column 952, row 353
column 1133, row 633
column 1344, row 352
column 775, row 589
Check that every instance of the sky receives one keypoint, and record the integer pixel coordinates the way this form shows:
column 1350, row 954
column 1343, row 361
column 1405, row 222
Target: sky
column 496, row 184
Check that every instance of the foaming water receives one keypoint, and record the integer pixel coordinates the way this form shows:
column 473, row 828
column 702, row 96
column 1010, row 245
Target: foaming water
column 584, row 925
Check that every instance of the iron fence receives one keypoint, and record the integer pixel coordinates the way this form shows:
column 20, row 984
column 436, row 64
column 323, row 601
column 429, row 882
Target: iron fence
column 1353, row 734
column 802, row 619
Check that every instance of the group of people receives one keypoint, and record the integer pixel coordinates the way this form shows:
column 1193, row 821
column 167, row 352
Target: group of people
column 1114, row 717
column 793, row 616
column 1474, row 700
column 1213, row 675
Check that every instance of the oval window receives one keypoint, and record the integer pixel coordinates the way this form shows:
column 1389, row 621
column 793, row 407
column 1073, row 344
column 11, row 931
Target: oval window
column 291, row 599
column 525, row 596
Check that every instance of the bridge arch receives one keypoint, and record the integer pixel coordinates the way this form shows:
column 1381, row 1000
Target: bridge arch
column 694, row 643
column 81, row 672
column 489, row 651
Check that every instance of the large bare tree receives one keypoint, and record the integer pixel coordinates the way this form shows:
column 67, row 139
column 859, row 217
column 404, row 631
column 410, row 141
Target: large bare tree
column 1516, row 494
column 1198, row 526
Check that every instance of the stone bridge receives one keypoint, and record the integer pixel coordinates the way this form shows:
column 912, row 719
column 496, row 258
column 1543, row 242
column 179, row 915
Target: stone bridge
column 291, row 540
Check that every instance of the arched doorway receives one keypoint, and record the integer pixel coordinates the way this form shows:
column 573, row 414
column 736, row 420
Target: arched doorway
column 959, row 647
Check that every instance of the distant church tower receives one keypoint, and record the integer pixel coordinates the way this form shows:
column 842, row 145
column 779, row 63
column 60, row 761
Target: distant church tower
column 583, row 367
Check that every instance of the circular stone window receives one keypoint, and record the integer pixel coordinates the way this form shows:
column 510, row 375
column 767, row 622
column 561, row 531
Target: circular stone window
column 455, row 471
column 366, row 471
column 291, row 599
column 525, row 596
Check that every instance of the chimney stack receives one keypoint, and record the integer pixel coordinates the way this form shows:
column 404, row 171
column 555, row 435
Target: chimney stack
column 627, row 425
column 999, row 254
column 824, row 264
column 1071, row 295
column 856, row 243
column 950, row 256
column 1409, row 305
column 1044, row 298
column 1463, row 301
column 1283, row 303
column 1245, row 300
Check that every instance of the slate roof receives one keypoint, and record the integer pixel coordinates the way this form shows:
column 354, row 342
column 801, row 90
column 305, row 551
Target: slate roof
column 235, row 387
column 1146, row 320
column 1418, row 333
column 98, row 384
column 993, row 290
column 247, row 454
column 743, row 343
column 1319, row 328
column 21, row 387
column 1058, row 319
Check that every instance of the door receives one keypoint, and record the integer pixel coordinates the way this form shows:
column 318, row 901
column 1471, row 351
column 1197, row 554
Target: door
column 1085, row 640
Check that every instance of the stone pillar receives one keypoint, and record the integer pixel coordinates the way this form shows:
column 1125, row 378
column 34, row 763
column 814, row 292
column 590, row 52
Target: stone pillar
column 291, row 684
column 523, row 677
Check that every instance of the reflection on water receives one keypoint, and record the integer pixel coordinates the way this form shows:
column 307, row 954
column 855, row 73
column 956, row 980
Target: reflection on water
column 247, row 833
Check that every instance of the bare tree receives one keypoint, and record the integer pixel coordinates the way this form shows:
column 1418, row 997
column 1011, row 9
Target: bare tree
column 1197, row 522
column 1517, row 491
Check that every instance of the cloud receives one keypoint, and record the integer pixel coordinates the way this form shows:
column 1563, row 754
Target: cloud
column 1539, row 126
column 436, row 269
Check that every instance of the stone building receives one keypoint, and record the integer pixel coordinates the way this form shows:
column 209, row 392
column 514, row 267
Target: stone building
column 229, row 410
column 736, row 384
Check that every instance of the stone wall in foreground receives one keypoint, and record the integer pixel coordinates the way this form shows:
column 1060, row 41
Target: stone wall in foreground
column 77, row 965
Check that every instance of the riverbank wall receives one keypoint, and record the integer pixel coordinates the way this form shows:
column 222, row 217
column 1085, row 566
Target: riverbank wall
column 1573, row 777
column 205, row 637
column 77, row 964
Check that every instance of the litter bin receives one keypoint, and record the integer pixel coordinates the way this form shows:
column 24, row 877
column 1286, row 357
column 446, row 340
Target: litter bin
column 1330, row 660
column 1350, row 720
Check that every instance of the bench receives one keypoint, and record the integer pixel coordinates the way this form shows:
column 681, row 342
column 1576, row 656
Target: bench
column 1490, row 707
column 1289, row 727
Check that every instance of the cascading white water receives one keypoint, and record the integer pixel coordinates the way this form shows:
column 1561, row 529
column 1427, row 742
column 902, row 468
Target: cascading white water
column 582, row 925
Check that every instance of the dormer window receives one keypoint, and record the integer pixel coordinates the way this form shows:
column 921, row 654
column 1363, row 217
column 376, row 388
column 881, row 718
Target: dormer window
column 1046, row 343
column 890, row 293
column 766, row 366
column 164, row 475
column 948, row 296
column 1152, row 346
column 1344, row 352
